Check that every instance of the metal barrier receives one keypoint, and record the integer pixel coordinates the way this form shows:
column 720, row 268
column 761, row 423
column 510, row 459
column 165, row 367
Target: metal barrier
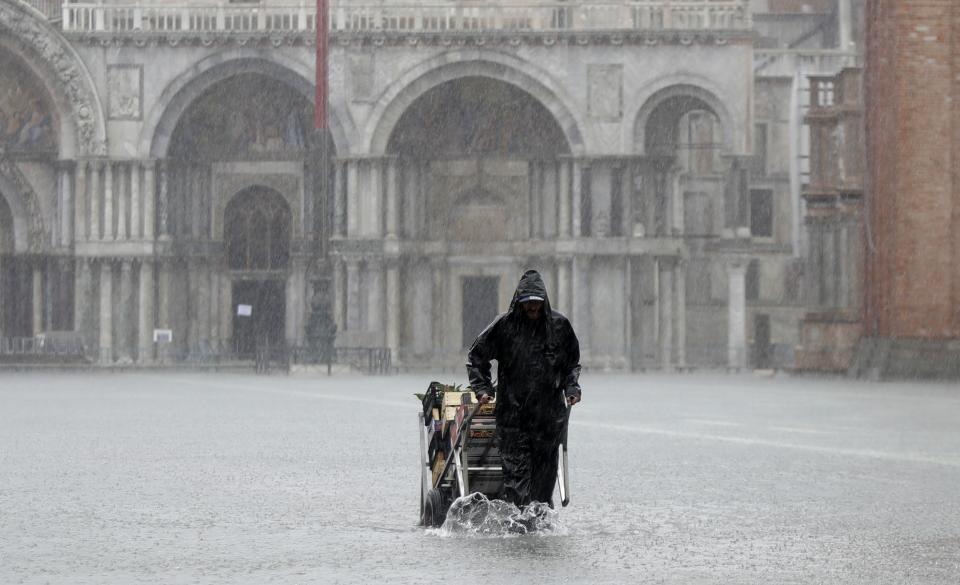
column 43, row 348
column 369, row 360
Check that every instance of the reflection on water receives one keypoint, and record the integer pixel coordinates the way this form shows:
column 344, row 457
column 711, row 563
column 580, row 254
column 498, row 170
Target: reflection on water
column 475, row 515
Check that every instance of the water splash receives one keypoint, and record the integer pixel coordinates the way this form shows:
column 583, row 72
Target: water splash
column 475, row 515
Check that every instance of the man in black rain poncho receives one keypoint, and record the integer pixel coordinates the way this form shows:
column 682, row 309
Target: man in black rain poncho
column 538, row 367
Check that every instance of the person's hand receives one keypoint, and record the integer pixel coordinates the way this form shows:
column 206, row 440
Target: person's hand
column 571, row 400
column 484, row 398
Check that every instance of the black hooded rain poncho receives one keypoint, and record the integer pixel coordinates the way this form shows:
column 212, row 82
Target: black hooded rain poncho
column 538, row 367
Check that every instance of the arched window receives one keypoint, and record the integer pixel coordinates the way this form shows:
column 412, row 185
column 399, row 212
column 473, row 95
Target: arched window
column 257, row 230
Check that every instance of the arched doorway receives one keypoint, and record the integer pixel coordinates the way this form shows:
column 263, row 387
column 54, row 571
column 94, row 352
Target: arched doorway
column 257, row 239
column 247, row 129
column 480, row 169
column 30, row 279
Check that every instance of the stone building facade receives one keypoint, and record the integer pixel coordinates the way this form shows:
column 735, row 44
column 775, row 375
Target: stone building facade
column 647, row 159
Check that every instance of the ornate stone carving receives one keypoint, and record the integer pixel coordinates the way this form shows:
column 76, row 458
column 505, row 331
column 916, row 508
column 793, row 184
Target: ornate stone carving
column 125, row 87
column 605, row 91
column 10, row 172
column 41, row 39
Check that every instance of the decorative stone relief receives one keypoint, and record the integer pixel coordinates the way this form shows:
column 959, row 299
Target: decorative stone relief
column 605, row 91
column 125, row 90
column 362, row 70
column 45, row 42
column 10, row 172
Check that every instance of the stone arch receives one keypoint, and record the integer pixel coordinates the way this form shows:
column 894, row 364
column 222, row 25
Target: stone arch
column 653, row 95
column 28, row 230
column 455, row 64
column 28, row 34
column 160, row 123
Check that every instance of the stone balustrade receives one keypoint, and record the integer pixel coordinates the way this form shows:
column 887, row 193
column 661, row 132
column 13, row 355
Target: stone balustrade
column 458, row 17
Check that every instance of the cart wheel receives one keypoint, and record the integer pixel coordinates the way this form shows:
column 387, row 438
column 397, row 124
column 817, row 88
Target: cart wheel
column 435, row 510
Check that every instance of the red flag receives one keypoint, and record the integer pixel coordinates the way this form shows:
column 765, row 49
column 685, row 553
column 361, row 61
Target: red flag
column 320, row 115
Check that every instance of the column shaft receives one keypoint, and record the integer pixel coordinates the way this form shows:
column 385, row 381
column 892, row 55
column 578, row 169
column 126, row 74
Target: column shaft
column 581, row 302
column 93, row 198
column 136, row 230
column 339, row 294
column 563, row 193
column 123, row 198
column 375, row 294
column 106, row 312
column 80, row 203
column 393, row 207
column 149, row 194
column 226, row 309
column 66, row 205
column 164, row 275
column 164, row 209
column 737, row 317
column 393, row 308
column 353, row 199
column 339, row 200
column 146, row 312
column 108, row 230
column 680, row 280
column 37, row 296
column 576, row 215
column 666, row 320
column 353, row 295
column 124, row 328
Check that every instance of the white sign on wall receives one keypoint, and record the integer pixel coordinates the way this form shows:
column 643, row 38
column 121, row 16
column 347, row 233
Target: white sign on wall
column 162, row 335
column 244, row 310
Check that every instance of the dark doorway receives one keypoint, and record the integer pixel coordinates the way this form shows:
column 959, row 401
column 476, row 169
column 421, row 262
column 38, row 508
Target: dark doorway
column 479, row 305
column 264, row 326
column 761, row 342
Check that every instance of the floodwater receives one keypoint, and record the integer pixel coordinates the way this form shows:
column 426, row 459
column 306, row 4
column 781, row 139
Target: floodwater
column 703, row 478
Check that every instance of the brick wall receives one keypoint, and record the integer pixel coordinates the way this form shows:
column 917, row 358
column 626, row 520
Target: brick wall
column 913, row 144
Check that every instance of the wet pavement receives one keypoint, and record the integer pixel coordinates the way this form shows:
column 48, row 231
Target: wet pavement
column 702, row 478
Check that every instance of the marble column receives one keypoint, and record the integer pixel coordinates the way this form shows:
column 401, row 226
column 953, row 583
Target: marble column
column 214, row 316
column 226, row 309
column 149, row 193
column 438, row 313
column 373, row 210
column 136, row 230
column 339, row 200
column 393, row 204
column 580, row 317
column 353, row 199
column 2, row 305
column 339, row 294
column 93, row 199
column 563, row 194
column 80, row 203
column 666, row 318
column 164, row 203
column 393, row 308
column 676, row 201
column 37, row 296
column 576, row 204
column 375, row 296
column 193, row 308
column 106, row 312
column 737, row 316
column 81, row 296
column 108, row 230
column 66, row 203
column 123, row 197
column 353, row 294
column 124, row 327
column 680, row 285
column 146, row 311
column 164, row 297
column 563, row 286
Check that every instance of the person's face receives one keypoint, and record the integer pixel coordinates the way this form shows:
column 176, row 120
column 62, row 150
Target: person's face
column 532, row 309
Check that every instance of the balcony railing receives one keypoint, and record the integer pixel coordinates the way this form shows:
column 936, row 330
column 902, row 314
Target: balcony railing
column 348, row 16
